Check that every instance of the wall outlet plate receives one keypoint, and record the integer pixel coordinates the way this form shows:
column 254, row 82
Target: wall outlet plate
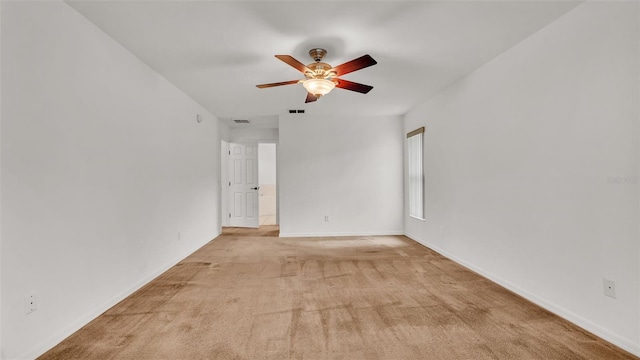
column 30, row 303
column 609, row 288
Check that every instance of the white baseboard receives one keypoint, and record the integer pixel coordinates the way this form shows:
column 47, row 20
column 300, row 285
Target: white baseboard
column 333, row 234
column 83, row 320
column 596, row 329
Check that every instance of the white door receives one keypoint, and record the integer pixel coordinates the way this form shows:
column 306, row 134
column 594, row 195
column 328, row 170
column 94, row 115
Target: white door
column 243, row 185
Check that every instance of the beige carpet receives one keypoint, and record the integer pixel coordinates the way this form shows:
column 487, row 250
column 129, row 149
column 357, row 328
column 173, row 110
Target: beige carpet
column 244, row 296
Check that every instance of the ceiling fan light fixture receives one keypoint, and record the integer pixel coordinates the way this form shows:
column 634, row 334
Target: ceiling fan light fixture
column 321, row 77
column 318, row 87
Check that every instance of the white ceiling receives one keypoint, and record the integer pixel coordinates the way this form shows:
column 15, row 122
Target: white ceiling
column 217, row 51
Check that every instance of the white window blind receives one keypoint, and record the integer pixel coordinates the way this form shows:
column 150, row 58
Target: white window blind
column 416, row 173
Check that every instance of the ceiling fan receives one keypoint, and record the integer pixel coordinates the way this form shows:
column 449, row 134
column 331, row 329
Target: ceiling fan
column 321, row 78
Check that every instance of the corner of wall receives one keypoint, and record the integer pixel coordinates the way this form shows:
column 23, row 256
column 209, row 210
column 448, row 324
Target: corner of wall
column 1, row 272
column 225, row 130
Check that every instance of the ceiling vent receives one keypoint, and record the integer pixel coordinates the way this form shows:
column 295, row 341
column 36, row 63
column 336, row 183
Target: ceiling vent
column 241, row 121
column 296, row 111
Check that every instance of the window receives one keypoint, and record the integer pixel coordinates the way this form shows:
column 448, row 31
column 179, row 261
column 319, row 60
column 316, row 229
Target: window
column 416, row 173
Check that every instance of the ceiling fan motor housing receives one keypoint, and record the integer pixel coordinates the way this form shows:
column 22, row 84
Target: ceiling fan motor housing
column 317, row 54
column 319, row 70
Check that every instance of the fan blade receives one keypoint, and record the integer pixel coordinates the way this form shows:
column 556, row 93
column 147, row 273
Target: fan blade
column 263, row 86
column 353, row 65
column 310, row 98
column 353, row 86
column 294, row 63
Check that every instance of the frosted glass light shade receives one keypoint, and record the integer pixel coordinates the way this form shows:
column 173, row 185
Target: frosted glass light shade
column 318, row 87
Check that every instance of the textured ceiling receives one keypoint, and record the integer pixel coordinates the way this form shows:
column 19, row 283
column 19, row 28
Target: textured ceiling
column 217, row 51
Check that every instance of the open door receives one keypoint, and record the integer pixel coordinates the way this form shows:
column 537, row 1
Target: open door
column 243, row 185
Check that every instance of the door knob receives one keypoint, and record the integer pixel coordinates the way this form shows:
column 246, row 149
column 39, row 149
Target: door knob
column 255, row 188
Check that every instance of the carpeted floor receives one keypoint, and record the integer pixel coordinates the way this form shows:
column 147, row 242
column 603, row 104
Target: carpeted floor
column 251, row 295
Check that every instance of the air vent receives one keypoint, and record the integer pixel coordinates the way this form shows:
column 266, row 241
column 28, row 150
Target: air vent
column 241, row 121
column 296, row 111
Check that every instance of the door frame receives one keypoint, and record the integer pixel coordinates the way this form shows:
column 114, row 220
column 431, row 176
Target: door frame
column 224, row 178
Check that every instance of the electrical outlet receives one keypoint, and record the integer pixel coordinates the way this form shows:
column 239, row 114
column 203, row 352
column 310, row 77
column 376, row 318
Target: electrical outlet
column 326, row 218
column 30, row 303
column 179, row 236
column 609, row 288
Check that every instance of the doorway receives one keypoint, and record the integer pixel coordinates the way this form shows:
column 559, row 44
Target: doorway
column 245, row 202
column 268, row 193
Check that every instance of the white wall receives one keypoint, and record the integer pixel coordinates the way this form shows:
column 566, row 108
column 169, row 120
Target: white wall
column 224, row 130
column 107, row 178
column 267, row 163
column 253, row 135
column 523, row 160
column 349, row 169
column 1, row 317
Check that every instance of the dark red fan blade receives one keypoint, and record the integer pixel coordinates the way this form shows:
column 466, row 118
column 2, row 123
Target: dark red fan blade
column 294, row 63
column 277, row 84
column 353, row 86
column 355, row 64
column 310, row 98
